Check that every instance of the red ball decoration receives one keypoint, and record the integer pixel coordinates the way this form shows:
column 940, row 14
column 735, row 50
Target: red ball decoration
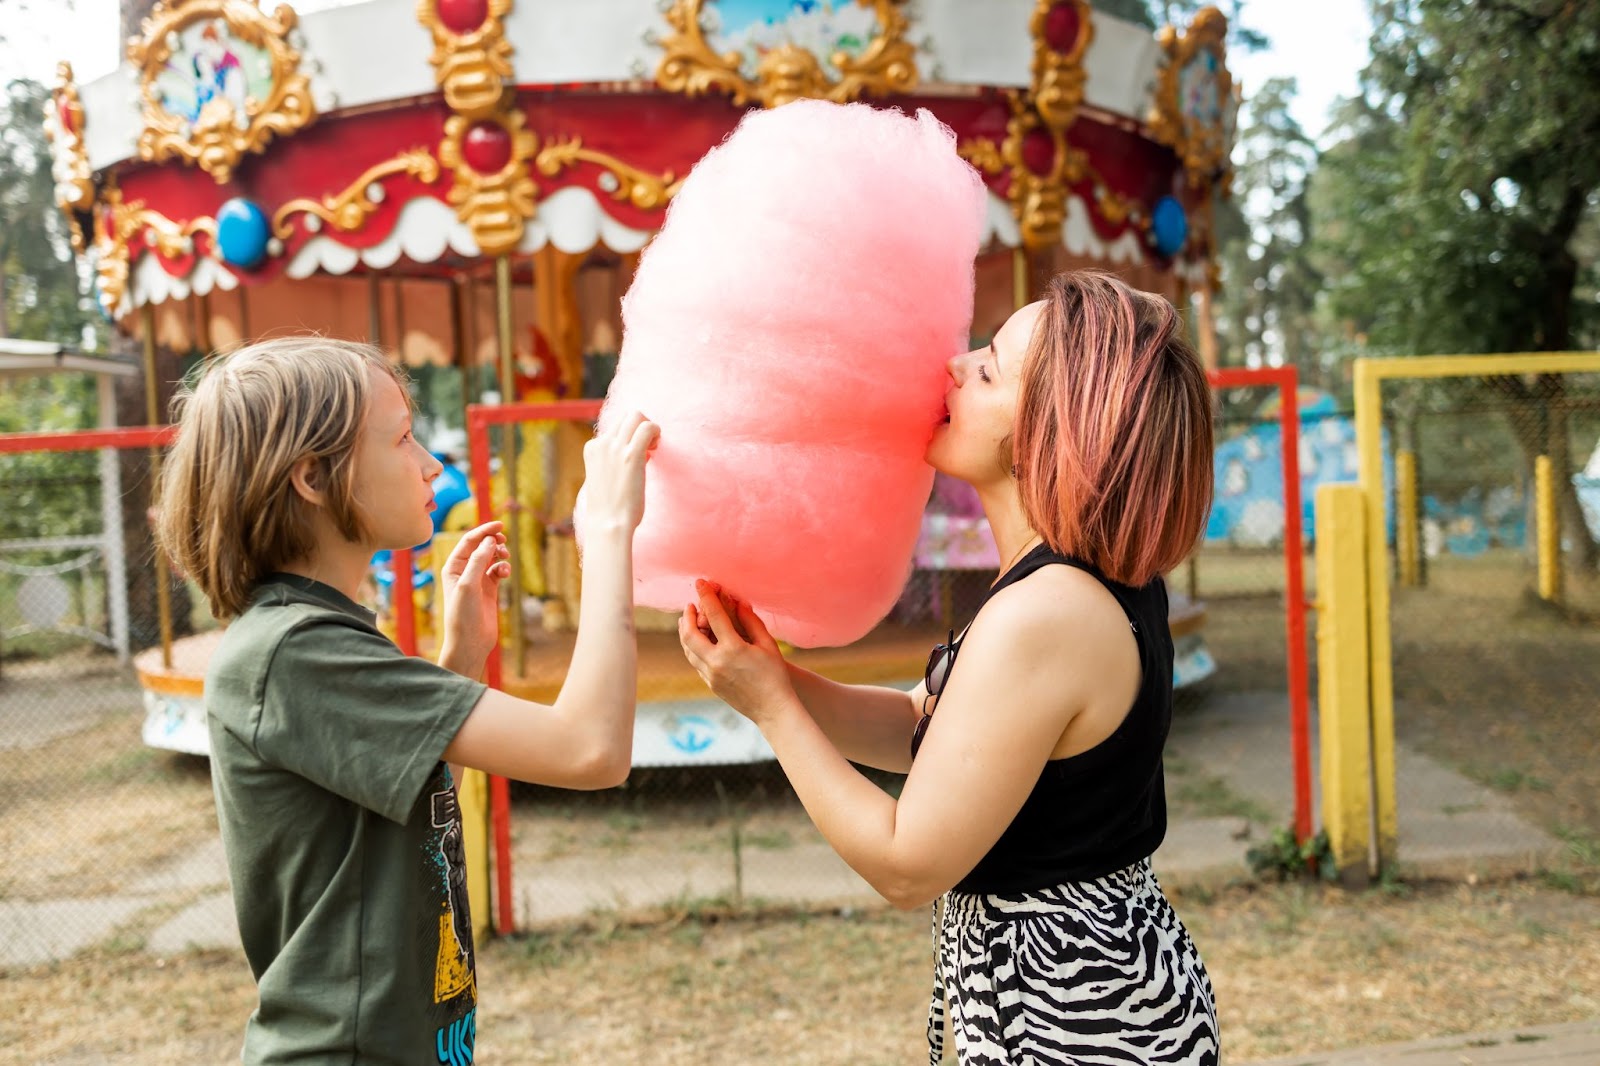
column 486, row 147
column 1061, row 26
column 1038, row 151
column 462, row 16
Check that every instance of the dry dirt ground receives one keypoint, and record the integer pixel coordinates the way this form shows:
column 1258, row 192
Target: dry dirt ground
column 1297, row 969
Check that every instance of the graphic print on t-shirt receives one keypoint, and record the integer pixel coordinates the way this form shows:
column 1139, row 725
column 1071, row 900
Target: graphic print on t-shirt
column 454, row 970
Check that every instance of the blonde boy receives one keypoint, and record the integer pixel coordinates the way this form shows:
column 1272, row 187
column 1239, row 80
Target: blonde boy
column 295, row 462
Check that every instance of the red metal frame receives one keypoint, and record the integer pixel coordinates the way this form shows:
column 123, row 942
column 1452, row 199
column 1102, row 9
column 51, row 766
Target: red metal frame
column 479, row 418
column 88, row 439
column 1287, row 381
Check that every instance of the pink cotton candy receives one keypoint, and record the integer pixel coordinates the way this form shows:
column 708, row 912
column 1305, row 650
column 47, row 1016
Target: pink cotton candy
column 788, row 329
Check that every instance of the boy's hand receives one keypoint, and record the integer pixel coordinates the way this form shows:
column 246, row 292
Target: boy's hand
column 471, row 578
column 614, row 473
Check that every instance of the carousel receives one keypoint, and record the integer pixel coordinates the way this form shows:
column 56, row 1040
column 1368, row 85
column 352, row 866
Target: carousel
column 469, row 184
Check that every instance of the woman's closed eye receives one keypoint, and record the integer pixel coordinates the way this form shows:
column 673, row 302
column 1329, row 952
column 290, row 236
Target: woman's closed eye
column 983, row 373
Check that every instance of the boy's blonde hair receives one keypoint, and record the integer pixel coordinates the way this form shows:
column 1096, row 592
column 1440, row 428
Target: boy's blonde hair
column 229, row 514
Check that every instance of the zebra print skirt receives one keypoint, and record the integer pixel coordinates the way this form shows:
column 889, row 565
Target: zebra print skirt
column 1089, row 973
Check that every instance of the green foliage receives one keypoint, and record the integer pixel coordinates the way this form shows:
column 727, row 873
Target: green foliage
column 1269, row 283
column 48, row 494
column 1461, row 192
column 41, row 292
column 1283, row 858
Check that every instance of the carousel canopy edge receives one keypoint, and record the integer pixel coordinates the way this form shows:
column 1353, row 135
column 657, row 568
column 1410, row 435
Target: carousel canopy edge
column 214, row 84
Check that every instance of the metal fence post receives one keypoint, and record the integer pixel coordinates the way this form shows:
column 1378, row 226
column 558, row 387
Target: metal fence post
column 1343, row 684
column 1547, row 517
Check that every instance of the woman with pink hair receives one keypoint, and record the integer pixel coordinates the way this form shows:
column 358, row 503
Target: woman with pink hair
column 1034, row 794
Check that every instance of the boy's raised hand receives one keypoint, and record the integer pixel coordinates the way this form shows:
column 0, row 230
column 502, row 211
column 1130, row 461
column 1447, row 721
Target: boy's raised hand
column 471, row 578
column 614, row 474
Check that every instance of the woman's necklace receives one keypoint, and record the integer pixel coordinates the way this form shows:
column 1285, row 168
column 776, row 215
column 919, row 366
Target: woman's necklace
column 1025, row 546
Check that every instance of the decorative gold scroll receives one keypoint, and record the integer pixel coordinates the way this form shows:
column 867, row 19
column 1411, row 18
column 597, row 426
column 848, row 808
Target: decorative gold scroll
column 74, row 183
column 689, row 65
column 349, row 209
column 233, row 122
column 125, row 223
column 1203, row 147
column 471, row 68
column 643, row 190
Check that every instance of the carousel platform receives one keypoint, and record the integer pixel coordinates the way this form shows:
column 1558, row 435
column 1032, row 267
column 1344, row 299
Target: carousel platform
column 678, row 723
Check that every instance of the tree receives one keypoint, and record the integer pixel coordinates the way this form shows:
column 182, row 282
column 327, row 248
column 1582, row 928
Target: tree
column 41, row 296
column 1270, row 287
column 1455, row 201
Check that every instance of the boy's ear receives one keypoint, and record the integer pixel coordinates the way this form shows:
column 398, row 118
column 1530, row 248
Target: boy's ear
column 306, row 477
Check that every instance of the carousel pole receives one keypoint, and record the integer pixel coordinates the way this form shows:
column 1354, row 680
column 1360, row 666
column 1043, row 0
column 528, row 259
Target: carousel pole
column 1020, row 289
column 152, row 411
column 1208, row 321
column 508, row 461
column 374, row 310
column 1186, row 317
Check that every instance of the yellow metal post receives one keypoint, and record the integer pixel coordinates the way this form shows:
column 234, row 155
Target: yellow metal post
column 152, row 414
column 508, row 450
column 473, row 794
column 1548, row 524
column 1343, row 684
column 1405, row 519
column 1369, row 443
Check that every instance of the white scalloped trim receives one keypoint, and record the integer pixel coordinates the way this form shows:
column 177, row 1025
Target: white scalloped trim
column 573, row 220
column 999, row 224
column 1079, row 238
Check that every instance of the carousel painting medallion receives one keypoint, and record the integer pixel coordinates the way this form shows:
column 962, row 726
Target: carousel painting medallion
column 772, row 51
column 756, row 28
column 219, row 79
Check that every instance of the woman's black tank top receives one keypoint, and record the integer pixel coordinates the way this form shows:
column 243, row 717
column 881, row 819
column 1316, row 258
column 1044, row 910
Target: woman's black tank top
column 1096, row 812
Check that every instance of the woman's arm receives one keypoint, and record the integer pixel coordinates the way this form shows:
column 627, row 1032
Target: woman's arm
column 869, row 724
column 1019, row 687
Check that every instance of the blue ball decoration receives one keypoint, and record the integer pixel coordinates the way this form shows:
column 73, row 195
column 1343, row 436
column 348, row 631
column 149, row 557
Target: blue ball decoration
column 242, row 233
column 1169, row 226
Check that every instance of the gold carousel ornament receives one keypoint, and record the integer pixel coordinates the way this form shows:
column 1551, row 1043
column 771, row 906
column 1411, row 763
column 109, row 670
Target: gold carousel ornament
column 347, row 211
column 1195, row 107
column 493, row 191
column 1041, row 163
column 486, row 144
column 471, row 56
column 120, row 226
column 219, row 80
column 773, row 63
column 74, row 184
column 624, row 182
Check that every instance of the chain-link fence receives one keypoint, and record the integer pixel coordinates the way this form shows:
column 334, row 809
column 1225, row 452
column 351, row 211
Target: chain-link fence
column 105, row 833
column 1494, row 520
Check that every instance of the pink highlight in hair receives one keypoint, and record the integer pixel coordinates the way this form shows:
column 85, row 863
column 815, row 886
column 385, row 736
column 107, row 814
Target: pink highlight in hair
column 1113, row 440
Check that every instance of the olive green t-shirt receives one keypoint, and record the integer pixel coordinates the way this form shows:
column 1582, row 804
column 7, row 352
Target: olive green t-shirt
column 342, row 833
